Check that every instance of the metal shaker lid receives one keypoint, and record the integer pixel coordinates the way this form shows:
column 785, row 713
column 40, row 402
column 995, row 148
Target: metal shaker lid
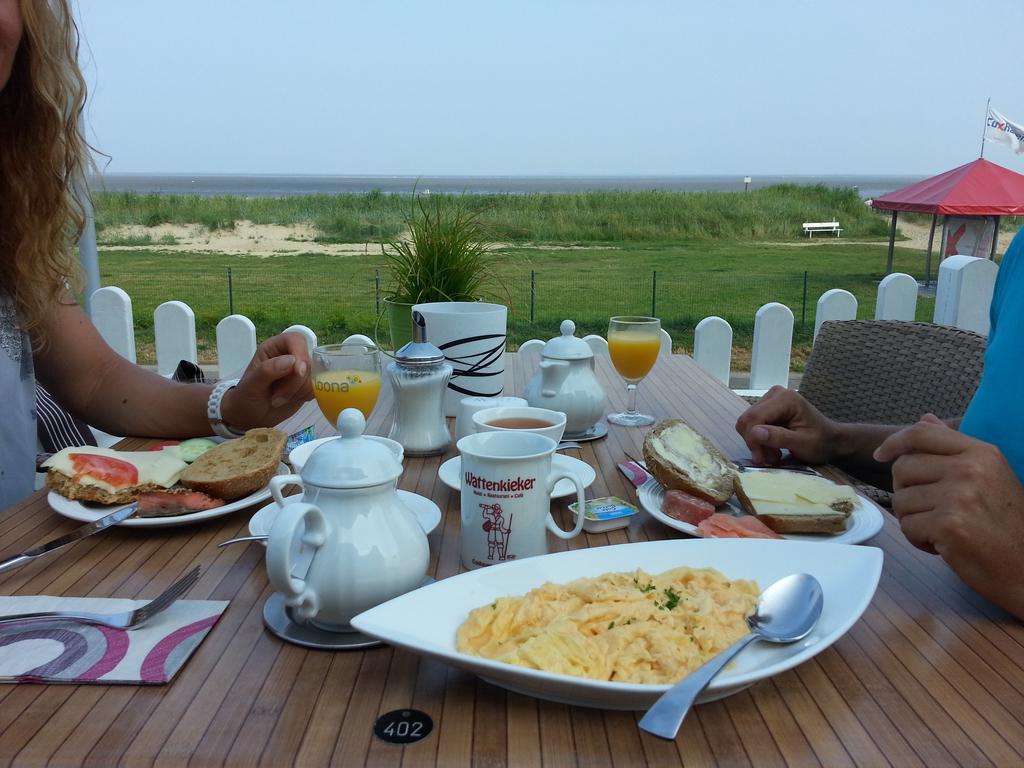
column 419, row 351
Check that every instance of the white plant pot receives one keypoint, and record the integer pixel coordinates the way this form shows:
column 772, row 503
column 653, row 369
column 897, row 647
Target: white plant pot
column 472, row 336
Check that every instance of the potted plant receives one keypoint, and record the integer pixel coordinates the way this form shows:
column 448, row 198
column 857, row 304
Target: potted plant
column 442, row 258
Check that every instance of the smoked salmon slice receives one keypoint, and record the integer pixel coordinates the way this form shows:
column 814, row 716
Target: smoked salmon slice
column 722, row 526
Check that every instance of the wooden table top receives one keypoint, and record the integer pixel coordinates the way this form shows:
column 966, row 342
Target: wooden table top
column 931, row 675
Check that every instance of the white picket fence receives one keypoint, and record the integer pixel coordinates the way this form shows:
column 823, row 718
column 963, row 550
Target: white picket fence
column 963, row 296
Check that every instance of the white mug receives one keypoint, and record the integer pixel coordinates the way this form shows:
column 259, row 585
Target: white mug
column 470, row 405
column 506, row 497
column 483, row 421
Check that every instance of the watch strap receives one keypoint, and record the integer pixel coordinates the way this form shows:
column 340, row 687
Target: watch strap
column 213, row 412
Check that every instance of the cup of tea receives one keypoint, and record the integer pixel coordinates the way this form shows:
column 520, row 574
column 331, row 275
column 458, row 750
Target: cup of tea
column 507, row 479
column 470, row 405
column 539, row 421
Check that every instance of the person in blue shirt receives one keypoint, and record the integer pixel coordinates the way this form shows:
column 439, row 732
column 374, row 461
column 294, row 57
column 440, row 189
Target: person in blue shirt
column 957, row 485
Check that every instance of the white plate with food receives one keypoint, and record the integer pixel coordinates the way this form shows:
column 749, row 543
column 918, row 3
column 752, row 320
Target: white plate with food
column 86, row 482
column 863, row 522
column 451, row 471
column 427, row 620
column 428, row 514
column 88, row 512
column 695, row 489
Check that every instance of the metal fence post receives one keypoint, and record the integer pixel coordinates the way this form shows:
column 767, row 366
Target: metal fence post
column 231, row 294
column 533, row 292
column 376, row 289
column 803, row 304
column 654, row 293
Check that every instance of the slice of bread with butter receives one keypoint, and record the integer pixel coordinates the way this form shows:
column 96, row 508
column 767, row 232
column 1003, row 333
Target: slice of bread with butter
column 680, row 458
column 792, row 502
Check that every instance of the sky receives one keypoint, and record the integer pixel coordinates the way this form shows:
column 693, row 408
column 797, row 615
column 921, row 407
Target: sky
column 548, row 87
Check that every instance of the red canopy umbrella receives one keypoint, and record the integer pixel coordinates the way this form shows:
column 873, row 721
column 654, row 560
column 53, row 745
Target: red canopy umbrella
column 979, row 188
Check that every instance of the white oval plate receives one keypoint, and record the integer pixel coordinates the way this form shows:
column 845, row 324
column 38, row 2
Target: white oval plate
column 864, row 522
column 425, row 621
column 450, row 473
column 428, row 514
column 87, row 513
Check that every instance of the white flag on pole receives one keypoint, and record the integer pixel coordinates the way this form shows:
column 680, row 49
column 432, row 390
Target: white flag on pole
column 999, row 130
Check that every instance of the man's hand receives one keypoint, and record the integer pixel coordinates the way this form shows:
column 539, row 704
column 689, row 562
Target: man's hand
column 958, row 497
column 275, row 383
column 784, row 419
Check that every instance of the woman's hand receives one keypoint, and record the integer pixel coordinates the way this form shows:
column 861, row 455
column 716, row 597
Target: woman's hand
column 275, row 383
column 958, row 497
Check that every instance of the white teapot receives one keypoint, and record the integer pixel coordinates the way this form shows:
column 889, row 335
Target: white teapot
column 566, row 382
column 368, row 545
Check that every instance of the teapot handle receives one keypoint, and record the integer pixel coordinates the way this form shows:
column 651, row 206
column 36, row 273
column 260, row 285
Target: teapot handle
column 278, row 482
column 297, row 593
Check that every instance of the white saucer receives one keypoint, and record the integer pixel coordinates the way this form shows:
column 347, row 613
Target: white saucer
column 596, row 432
column 450, row 473
column 427, row 513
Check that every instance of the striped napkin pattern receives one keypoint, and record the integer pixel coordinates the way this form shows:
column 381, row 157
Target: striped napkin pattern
column 73, row 652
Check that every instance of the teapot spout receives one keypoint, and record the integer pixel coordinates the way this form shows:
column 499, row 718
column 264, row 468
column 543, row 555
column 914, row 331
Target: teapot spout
column 553, row 373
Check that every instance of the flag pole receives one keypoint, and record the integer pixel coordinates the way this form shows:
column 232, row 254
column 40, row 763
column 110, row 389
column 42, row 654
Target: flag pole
column 984, row 127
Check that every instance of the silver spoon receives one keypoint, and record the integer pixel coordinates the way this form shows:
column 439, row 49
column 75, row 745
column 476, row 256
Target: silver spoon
column 240, row 539
column 786, row 612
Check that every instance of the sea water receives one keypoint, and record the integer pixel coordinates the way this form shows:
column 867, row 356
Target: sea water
column 283, row 186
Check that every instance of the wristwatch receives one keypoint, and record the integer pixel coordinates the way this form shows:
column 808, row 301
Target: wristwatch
column 213, row 413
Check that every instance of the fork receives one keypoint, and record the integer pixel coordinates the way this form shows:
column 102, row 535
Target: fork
column 124, row 620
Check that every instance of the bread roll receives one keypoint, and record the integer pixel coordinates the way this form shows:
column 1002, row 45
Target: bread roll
column 680, row 458
column 239, row 467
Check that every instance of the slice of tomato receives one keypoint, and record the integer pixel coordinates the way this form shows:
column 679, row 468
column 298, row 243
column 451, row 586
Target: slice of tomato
column 161, row 446
column 115, row 472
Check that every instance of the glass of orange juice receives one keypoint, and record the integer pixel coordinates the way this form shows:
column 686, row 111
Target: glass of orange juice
column 346, row 376
column 633, row 344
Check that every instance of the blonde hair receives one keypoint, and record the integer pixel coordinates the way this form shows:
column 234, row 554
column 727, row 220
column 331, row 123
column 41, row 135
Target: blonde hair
column 42, row 155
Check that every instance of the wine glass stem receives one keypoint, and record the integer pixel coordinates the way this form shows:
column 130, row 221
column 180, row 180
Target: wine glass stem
column 631, row 402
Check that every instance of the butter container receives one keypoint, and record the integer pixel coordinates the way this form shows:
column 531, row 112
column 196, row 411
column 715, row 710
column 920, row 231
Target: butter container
column 605, row 514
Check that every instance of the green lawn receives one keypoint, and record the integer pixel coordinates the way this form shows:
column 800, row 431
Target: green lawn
column 336, row 295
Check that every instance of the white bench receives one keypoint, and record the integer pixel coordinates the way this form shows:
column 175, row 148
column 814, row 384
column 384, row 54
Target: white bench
column 810, row 227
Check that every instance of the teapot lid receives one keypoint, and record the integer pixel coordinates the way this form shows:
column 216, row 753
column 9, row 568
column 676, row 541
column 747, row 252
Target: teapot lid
column 567, row 346
column 351, row 461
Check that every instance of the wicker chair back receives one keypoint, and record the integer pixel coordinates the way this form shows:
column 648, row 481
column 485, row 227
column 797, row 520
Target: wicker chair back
column 892, row 372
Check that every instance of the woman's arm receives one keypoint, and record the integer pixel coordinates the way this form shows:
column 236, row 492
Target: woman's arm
column 101, row 387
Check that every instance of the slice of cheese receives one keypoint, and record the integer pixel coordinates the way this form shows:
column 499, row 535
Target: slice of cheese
column 155, row 467
column 795, row 492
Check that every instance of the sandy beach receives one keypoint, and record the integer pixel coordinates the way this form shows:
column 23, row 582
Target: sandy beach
column 274, row 239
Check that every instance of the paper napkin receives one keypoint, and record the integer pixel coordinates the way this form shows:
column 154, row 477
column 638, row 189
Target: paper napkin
column 54, row 651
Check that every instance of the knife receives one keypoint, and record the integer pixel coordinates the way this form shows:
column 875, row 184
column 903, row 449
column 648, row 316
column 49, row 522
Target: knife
column 79, row 533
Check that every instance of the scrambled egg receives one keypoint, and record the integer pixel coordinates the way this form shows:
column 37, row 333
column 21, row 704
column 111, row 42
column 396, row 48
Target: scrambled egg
column 623, row 627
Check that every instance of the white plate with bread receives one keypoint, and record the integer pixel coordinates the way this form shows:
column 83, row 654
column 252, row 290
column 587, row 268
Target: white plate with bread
column 86, row 483
column 693, row 481
column 88, row 512
column 863, row 522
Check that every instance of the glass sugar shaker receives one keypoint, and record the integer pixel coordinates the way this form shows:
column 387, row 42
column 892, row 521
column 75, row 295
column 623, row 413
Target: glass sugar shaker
column 419, row 378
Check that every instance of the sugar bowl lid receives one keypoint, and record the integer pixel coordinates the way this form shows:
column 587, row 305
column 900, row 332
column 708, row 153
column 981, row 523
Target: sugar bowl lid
column 352, row 461
column 567, row 346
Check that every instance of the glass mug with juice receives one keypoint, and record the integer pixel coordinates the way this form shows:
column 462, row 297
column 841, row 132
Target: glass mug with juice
column 346, row 376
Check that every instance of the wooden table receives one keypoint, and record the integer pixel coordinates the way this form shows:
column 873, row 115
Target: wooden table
column 932, row 675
